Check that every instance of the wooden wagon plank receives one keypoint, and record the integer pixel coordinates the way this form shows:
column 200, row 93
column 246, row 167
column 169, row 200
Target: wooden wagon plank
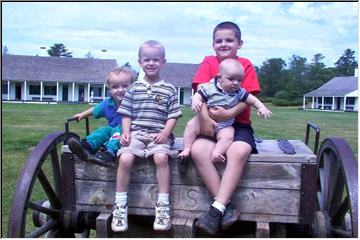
column 255, row 175
column 191, row 198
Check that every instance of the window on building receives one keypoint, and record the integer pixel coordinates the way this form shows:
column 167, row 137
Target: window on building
column 50, row 90
column 4, row 88
column 350, row 100
column 34, row 89
column 97, row 91
column 328, row 100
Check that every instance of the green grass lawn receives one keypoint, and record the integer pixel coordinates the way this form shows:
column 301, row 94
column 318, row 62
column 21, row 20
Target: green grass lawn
column 24, row 125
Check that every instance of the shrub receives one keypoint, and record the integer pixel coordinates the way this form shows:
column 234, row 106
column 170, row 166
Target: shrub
column 285, row 102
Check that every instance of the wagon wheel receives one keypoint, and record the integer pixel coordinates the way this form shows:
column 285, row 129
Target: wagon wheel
column 337, row 189
column 40, row 179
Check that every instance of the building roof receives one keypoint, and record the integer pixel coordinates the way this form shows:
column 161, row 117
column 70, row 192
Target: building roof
column 337, row 87
column 179, row 74
column 52, row 69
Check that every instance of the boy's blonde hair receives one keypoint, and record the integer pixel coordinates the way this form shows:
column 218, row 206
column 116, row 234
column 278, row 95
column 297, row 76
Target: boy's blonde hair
column 152, row 44
column 119, row 70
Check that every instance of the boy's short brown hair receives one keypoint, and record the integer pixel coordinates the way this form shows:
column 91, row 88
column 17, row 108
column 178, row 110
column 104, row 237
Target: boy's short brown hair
column 117, row 71
column 228, row 25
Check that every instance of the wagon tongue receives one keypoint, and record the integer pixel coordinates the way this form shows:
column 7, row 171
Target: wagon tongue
column 286, row 146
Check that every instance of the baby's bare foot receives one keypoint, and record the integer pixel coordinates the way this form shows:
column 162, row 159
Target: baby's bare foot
column 184, row 154
column 217, row 157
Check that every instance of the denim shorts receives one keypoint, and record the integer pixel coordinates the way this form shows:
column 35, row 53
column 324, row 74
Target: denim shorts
column 245, row 133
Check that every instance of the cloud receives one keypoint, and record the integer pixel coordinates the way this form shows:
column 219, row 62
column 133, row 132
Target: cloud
column 269, row 29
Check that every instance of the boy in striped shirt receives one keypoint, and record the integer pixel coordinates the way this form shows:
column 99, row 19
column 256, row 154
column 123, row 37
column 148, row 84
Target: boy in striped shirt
column 150, row 110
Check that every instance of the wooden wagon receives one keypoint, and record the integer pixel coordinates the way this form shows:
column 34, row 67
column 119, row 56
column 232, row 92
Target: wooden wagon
column 276, row 189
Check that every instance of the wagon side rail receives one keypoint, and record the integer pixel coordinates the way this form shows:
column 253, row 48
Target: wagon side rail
column 316, row 128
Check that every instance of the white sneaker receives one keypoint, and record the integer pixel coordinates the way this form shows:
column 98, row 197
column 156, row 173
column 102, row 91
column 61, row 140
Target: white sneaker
column 120, row 218
column 162, row 217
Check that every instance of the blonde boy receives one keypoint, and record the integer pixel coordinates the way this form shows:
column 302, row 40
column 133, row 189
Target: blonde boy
column 150, row 110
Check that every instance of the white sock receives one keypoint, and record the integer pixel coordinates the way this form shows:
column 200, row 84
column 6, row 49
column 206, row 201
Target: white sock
column 164, row 197
column 121, row 198
column 219, row 206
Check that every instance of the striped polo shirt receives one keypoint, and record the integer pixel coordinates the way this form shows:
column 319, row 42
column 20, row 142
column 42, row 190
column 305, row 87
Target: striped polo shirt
column 150, row 106
column 213, row 95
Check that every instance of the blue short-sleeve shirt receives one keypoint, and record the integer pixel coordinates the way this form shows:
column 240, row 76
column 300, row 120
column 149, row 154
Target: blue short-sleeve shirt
column 108, row 109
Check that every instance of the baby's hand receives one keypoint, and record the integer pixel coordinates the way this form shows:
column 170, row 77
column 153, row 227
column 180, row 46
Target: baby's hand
column 196, row 104
column 125, row 139
column 264, row 112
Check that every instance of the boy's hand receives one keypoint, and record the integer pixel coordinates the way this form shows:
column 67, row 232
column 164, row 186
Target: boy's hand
column 207, row 128
column 78, row 116
column 219, row 114
column 125, row 139
column 264, row 112
column 160, row 137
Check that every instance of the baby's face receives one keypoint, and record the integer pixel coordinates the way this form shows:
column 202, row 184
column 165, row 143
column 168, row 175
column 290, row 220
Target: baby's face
column 118, row 84
column 226, row 44
column 230, row 80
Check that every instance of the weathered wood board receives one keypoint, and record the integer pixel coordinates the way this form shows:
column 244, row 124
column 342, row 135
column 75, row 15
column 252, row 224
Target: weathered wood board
column 269, row 191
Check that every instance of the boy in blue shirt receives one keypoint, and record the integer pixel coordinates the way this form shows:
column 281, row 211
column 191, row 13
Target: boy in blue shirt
column 118, row 80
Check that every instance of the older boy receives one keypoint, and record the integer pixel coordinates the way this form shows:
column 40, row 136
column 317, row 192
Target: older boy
column 224, row 91
column 118, row 80
column 150, row 110
column 226, row 42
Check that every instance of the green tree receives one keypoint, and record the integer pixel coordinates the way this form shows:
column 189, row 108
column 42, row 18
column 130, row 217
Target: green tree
column 134, row 72
column 346, row 64
column 272, row 76
column 5, row 50
column 59, row 50
column 318, row 74
column 88, row 55
column 296, row 77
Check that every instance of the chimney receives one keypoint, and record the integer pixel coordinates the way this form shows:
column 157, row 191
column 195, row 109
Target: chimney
column 103, row 54
column 43, row 52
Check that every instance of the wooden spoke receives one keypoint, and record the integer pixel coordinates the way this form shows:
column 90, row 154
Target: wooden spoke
column 338, row 232
column 56, row 170
column 339, row 215
column 54, row 200
column 51, row 224
column 338, row 195
column 54, row 213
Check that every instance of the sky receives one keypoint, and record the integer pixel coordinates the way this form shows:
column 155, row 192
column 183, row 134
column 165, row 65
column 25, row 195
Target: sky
column 269, row 29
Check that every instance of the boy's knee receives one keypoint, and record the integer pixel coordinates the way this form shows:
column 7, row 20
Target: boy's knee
column 126, row 160
column 238, row 151
column 161, row 159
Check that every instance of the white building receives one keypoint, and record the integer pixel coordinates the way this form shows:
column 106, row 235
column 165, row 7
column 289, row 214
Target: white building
column 34, row 78
column 340, row 93
column 62, row 79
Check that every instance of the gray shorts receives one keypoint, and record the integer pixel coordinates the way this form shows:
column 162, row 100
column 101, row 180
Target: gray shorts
column 142, row 145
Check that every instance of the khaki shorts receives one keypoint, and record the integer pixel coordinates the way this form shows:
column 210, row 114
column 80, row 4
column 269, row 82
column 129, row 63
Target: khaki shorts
column 142, row 145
